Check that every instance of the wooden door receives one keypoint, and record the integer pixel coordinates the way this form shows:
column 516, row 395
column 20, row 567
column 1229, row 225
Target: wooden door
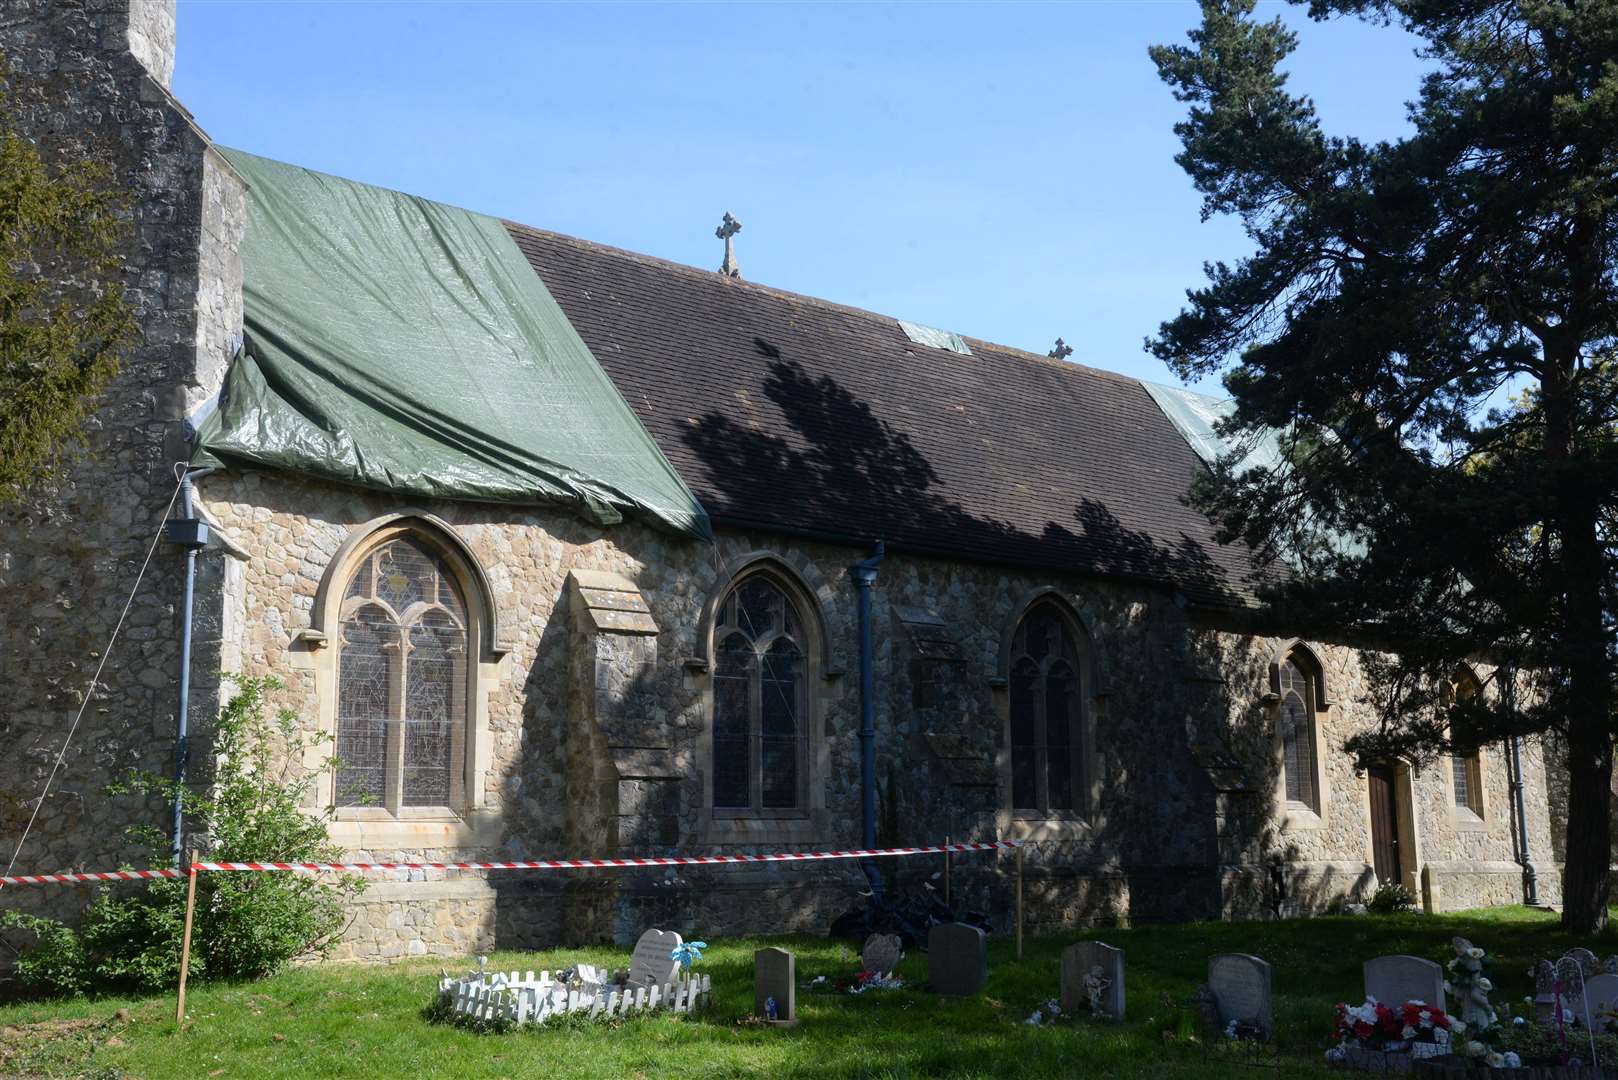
column 1384, row 825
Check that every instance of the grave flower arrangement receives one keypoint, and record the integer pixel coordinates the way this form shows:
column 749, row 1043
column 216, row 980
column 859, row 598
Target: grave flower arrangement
column 862, row 981
column 1375, row 1025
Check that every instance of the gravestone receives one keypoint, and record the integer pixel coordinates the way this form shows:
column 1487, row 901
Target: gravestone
column 1240, row 985
column 881, row 954
column 775, row 976
column 1394, row 980
column 653, row 963
column 1078, row 962
column 1599, row 990
column 957, row 959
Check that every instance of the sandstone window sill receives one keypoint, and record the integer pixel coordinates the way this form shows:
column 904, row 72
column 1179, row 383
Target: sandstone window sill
column 1036, row 829
column 1467, row 821
column 1301, row 818
column 482, row 831
column 802, row 830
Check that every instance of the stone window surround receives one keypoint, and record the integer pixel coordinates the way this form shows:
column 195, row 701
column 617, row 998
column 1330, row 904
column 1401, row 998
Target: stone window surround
column 1474, row 816
column 370, row 828
column 1293, row 816
column 1069, row 825
column 822, row 686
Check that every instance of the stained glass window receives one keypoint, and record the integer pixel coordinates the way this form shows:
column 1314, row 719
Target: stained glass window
column 402, row 681
column 1047, row 715
column 759, row 688
column 1297, row 734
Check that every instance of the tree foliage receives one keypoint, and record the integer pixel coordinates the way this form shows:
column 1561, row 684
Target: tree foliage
column 63, row 315
column 246, row 925
column 1398, row 292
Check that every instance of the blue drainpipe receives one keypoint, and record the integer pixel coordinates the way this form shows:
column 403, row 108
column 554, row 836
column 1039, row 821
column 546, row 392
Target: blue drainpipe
column 191, row 533
column 863, row 575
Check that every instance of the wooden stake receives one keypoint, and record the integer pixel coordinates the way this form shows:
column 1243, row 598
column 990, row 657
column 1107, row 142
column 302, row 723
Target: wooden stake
column 185, row 942
column 947, row 860
column 1019, row 903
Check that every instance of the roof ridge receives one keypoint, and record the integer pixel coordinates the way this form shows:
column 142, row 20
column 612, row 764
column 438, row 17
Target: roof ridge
column 819, row 301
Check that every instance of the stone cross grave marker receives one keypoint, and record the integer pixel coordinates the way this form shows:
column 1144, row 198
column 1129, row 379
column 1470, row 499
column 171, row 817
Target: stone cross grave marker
column 1599, row 990
column 1394, row 980
column 775, row 976
column 957, row 959
column 652, row 963
column 1079, row 962
column 1241, row 990
column 881, row 954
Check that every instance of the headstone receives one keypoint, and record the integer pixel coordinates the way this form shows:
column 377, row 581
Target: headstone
column 881, row 954
column 653, row 963
column 1585, row 959
column 1079, row 962
column 1599, row 990
column 1241, row 990
column 957, row 959
column 1394, row 980
column 775, row 977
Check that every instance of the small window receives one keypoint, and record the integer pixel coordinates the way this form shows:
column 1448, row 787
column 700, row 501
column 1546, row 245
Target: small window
column 1047, row 738
column 1297, row 722
column 1466, row 769
column 760, row 761
column 402, row 681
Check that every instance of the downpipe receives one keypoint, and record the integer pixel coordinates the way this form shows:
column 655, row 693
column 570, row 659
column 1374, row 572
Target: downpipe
column 1530, row 883
column 190, row 533
column 863, row 575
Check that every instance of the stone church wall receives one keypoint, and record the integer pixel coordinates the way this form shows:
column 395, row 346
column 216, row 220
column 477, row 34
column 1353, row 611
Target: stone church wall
column 597, row 740
column 90, row 80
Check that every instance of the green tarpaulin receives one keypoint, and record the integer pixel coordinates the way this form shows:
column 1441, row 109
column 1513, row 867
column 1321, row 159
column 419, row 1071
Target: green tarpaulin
column 401, row 344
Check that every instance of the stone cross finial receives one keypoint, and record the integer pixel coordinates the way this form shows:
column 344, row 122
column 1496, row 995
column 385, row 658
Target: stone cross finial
column 1062, row 351
column 727, row 229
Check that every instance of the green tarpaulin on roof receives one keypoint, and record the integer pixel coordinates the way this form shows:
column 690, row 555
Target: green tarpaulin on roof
column 401, row 344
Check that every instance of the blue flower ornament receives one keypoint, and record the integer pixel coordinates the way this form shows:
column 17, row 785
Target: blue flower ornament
column 687, row 953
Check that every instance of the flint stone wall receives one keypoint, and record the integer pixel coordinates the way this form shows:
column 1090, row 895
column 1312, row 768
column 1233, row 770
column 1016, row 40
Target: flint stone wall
column 89, row 80
column 569, row 699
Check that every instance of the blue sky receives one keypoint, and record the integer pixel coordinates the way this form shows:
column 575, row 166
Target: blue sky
column 1005, row 171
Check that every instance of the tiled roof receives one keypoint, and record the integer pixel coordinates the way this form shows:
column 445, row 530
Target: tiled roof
column 784, row 412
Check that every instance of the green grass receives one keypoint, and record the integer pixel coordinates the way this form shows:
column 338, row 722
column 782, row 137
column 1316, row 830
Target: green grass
column 347, row 1021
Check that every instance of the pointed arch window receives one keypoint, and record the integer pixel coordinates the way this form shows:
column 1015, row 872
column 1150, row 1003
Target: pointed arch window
column 1300, row 696
column 760, row 696
column 403, row 680
column 1047, row 738
column 1466, row 768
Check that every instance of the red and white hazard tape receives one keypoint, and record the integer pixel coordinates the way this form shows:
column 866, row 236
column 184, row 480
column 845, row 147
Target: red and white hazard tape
column 100, row 875
column 615, row 864
column 538, row 864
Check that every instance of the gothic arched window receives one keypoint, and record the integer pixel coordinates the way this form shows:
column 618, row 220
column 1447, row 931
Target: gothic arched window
column 1299, row 697
column 1466, row 769
column 1047, row 715
column 760, row 726
column 403, row 681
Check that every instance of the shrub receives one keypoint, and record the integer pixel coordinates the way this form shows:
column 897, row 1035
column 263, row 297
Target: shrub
column 1389, row 899
column 246, row 925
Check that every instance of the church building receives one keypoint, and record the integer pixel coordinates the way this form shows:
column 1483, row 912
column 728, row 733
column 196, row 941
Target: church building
column 566, row 549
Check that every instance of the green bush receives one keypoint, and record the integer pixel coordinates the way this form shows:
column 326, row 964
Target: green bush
column 247, row 925
column 1389, row 899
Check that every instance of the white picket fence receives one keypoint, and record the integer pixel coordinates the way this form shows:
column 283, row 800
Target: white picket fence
column 530, row 998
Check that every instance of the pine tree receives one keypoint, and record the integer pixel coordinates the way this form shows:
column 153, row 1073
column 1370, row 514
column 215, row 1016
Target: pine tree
column 1397, row 292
